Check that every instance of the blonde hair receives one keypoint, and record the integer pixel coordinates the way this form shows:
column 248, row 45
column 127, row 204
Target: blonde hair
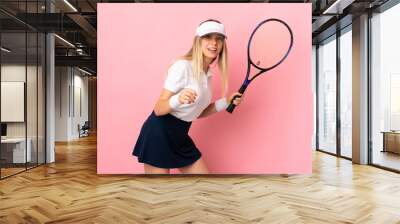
column 195, row 54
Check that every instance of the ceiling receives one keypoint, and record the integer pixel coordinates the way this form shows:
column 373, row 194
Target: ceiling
column 76, row 22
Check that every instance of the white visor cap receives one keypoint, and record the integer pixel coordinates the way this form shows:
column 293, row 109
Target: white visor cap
column 210, row 27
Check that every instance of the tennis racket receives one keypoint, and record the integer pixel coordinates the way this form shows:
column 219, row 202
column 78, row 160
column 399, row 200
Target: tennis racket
column 268, row 46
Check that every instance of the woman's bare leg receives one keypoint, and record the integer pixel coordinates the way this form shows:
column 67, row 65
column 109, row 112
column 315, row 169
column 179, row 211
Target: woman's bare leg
column 198, row 167
column 149, row 169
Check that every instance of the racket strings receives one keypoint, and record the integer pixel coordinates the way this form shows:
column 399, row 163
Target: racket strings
column 270, row 44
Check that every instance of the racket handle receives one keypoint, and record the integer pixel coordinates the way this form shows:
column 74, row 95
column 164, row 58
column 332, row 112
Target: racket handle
column 232, row 106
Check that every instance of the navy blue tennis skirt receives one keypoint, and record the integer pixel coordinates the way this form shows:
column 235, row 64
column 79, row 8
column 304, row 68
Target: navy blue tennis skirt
column 164, row 142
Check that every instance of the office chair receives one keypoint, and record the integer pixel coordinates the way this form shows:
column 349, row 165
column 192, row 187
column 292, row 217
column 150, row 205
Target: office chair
column 84, row 130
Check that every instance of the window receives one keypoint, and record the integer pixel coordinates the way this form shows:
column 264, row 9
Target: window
column 385, row 88
column 327, row 95
column 346, row 92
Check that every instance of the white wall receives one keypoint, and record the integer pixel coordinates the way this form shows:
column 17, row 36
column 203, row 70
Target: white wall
column 61, row 103
column 33, row 127
column 70, row 83
column 17, row 73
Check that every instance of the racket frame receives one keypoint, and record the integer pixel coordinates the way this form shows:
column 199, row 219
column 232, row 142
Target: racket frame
column 247, row 81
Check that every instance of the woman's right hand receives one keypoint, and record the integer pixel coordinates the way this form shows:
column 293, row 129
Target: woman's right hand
column 187, row 96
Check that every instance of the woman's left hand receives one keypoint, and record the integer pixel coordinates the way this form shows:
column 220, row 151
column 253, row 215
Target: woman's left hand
column 237, row 100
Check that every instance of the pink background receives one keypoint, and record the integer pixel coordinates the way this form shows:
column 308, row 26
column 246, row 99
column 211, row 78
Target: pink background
column 270, row 132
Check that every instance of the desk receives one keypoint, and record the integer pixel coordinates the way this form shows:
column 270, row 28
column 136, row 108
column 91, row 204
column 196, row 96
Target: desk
column 391, row 141
column 17, row 150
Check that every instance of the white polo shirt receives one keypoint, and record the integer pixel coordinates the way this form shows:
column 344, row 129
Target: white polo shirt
column 179, row 77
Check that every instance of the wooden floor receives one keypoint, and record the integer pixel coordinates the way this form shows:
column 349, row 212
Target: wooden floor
column 5, row 172
column 70, row 191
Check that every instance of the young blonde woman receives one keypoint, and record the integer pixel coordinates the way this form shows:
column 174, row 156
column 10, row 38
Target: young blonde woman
column 163, row 141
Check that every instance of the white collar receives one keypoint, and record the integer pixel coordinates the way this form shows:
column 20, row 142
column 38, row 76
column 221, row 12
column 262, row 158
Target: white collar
column 209, row 73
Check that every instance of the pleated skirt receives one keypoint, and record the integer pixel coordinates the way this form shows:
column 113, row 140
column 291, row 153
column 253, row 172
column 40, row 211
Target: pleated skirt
column 164, row 142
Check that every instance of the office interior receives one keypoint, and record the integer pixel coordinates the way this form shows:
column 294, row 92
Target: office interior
column 49, row 73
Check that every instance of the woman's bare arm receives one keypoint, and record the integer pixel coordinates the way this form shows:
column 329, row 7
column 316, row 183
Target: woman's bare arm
column 208, row 111
column 162, row 106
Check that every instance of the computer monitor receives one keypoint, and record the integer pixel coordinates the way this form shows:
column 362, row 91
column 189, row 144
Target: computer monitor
column 3, row 129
